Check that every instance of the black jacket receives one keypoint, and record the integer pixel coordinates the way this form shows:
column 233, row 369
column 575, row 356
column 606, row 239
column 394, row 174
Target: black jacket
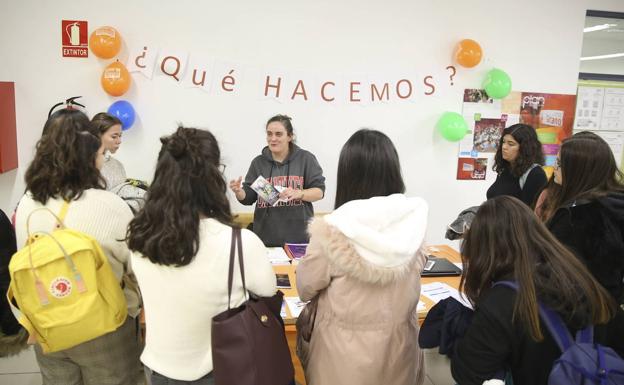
column 594, row 231
column 8, row 323
column 492, row 342
column 445, row 324
column 507, row 184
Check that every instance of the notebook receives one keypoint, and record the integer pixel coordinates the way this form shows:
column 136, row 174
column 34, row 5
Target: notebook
column 435, row 267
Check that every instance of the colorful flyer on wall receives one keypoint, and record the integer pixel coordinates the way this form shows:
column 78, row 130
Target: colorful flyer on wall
column 552, row 116
column 471, row 168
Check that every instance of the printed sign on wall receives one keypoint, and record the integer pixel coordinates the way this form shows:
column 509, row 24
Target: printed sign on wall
column 75, row 38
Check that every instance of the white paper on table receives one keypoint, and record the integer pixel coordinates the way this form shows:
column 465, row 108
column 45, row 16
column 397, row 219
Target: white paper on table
column 283, row 313
column 295, row 304
column 437, row 291
column 277, row 256
column 421, row 306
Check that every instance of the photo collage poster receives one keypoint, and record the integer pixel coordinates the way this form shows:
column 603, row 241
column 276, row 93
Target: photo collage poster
column 552, row 115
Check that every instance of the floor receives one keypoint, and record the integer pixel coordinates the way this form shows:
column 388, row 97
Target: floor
column 23, row 369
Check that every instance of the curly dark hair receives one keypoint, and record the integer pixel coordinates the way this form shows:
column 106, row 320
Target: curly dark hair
column 64, row 162
column 187, row 186
column 530, row 151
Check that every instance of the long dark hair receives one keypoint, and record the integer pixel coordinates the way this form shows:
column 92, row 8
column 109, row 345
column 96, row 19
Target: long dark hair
column 64, row 162
column 529, row 153
column 588, row 169
column 187, row 185
column 102, row 121
column 549, row 204
column 507, row 241
column 368, row 166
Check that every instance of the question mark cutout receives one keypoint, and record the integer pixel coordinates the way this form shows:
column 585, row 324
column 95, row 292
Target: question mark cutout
column 452, row 68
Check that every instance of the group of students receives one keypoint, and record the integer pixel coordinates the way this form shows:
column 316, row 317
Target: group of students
column 363, row 261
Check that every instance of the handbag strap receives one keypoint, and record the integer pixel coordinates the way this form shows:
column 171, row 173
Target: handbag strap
column 239, row 241
column 236, row 240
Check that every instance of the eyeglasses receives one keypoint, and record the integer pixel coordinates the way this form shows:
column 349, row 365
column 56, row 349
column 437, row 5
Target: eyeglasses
column 221, row 168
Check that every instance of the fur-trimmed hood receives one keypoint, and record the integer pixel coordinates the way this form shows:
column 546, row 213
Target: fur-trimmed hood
column 374, row 240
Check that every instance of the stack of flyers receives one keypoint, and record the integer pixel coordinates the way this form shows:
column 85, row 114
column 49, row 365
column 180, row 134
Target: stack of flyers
column 266, row 190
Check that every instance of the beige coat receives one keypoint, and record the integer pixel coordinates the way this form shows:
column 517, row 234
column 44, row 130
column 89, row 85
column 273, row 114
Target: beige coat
column 366, row 330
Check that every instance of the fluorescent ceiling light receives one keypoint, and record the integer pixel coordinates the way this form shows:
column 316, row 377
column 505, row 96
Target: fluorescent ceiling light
column 599, row 27
column 610, row 56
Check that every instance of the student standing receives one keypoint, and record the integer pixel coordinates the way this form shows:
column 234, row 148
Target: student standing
column 588, row 210
column 518, row 162
column 364, row 262
column 181, row 242
column 297, row 171
column 66, row 169
column 506, row 241
column 108, row 129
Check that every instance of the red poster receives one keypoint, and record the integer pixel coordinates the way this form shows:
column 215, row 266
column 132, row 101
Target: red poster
column 75, row 38
column 471, row 168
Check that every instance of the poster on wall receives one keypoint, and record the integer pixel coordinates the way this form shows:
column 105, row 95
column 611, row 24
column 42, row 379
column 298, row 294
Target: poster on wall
column 471, row 168
column 552, row 115
column 600, row 108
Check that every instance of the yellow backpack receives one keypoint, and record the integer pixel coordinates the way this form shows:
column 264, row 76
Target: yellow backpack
column 64, row 287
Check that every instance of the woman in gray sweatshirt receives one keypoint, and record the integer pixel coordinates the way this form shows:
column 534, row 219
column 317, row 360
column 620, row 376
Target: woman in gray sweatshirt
column 297, row 171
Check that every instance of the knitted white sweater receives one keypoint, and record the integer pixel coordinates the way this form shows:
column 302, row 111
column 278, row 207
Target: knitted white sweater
column 113, row 172
column 181, row 301
column 98, row 213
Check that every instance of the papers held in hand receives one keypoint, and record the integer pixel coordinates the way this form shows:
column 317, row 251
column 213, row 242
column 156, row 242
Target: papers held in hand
column 266, row 190
column 435, row 267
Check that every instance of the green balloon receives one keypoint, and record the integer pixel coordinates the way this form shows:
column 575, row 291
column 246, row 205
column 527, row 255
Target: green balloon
column 497, row 84
column 452, row 126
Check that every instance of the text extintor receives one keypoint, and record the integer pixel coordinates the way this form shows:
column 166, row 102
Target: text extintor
column 75, row 38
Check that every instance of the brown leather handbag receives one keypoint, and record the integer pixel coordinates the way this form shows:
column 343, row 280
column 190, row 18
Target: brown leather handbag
column 249, row 344
column 305, row 326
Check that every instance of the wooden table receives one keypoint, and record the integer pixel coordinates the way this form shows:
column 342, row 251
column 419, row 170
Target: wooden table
column 449, row 253
column 291, row 331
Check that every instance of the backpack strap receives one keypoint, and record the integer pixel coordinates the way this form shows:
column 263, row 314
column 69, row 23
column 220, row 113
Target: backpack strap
column 553, row 322
column 523, row 177
column 63, row 212
column 41, row 291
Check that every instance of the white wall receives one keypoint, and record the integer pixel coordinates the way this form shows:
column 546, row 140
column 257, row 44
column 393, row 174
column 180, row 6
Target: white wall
column 537, row 42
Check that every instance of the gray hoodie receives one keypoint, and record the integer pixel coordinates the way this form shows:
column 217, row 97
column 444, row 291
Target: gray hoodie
column 287, row 221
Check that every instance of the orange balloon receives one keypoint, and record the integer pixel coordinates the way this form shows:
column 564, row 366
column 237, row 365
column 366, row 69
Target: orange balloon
column 116, row 79
column 468, row 53
column 105, row 42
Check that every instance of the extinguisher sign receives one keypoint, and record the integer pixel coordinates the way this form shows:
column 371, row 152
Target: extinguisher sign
column 75, row 38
